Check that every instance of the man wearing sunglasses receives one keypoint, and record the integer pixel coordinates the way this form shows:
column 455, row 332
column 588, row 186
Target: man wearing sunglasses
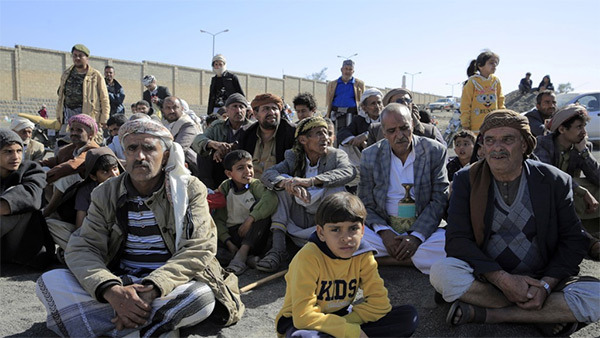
column 405, row 97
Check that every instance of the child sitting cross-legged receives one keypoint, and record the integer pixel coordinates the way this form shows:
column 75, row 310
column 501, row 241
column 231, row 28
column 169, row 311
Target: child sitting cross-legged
column 243, row 226
column 325, row 275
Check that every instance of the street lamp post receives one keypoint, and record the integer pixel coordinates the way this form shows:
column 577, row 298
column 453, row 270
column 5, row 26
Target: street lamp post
column 347, row 57
column 412, row 79
column 213, row 37
column 452, row 85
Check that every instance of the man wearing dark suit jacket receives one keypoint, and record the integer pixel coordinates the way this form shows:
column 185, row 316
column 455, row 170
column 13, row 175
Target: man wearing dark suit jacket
column 514, row 242
column 154, row 94
column 270, row 136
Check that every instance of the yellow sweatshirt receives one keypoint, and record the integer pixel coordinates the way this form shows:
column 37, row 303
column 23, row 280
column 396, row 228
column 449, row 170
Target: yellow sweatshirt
column 479, row 97
column 318, row 285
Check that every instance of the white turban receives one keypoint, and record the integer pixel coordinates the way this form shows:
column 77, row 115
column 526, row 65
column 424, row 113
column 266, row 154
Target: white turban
column 20, row 123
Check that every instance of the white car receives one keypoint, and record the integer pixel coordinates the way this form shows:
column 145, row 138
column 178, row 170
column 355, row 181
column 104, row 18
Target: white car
column 591, row 102
column 446, row 103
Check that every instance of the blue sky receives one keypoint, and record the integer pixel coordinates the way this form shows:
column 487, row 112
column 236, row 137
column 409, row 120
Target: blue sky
column 437, row 38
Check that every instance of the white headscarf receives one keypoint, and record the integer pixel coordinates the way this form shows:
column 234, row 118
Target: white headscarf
column 19, row 123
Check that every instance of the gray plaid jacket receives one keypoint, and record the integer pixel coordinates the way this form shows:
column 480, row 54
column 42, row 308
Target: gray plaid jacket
column 430, row 183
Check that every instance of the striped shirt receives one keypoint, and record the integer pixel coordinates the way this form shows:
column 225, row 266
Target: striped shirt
column 145, row 249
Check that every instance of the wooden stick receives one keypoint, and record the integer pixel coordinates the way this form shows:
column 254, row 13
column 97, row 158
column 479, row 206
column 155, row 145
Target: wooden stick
column 262, row 281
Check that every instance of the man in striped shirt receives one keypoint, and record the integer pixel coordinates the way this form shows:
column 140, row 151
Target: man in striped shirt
column 147, row 248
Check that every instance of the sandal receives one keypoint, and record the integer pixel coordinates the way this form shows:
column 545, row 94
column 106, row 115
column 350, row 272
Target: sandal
column 236, row 267
column 565, row 329
column 479, row 314
column 271, row 261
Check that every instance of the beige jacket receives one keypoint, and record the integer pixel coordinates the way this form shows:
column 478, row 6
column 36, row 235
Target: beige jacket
column 99, row 242
column 359, row 89
column 35, row 151
column 95, row 96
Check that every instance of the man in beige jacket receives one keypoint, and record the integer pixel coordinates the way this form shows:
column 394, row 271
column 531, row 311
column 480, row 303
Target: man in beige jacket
column 82, row 90
column 144, row 257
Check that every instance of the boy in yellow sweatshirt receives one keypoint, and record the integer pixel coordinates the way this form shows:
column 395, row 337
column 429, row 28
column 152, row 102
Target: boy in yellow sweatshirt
column 325, row 275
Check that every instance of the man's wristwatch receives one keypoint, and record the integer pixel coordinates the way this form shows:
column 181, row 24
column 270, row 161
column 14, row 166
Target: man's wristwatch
column 546, row 286
column 584, row 153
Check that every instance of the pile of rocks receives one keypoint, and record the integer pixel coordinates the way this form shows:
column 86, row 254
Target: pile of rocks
column 519, row 102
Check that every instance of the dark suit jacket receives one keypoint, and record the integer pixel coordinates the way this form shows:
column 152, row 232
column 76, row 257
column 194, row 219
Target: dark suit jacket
column 162, row 92
column 358, row 126
column 231, row 85
column 560, row 237
column 284, row 139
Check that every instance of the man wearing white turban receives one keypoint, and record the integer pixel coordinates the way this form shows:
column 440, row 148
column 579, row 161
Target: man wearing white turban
column 144, row 257
column 32, row 149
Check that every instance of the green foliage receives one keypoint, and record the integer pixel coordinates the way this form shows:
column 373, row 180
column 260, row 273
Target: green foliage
column 564, row 88
column 319, row 76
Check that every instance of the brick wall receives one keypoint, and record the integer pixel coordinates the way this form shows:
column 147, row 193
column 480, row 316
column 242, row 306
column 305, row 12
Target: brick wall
column 29, row 77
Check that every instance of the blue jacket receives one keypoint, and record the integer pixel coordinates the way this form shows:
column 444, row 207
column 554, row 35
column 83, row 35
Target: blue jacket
column 561, row 240
column 430, row 183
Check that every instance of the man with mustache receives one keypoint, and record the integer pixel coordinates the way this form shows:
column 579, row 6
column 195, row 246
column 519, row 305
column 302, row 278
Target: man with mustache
column 567, row 148
column 544, row 109
column 310, row 171
column 270, row 136
column 219, row 139
column 404, row 229
column 514, row 241
column 82, row 91
column 144, row 257
column 67, row 167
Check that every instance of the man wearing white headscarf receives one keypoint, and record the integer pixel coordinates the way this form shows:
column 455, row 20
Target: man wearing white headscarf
column 147, row 247
column 32, row 149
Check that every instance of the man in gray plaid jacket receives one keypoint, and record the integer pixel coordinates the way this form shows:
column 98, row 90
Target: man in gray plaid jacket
column 404, row 232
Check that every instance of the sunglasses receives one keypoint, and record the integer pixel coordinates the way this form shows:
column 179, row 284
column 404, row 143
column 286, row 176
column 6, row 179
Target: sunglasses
column 404, row 101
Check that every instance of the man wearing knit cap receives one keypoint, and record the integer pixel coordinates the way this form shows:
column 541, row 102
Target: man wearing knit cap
column 82, row 91
column 23, row 230
column 404, row 186
column 270, row 136
column 32, row 149
column 154, row 94
column 405, row 97
column 504, row 268
column 343, row 95
column 310, row 171
column 219, row 139
column 567, row 149
column 222, row 85
column 143, row 261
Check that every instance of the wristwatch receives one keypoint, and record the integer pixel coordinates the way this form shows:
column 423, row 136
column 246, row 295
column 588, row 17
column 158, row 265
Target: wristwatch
column 546, row 286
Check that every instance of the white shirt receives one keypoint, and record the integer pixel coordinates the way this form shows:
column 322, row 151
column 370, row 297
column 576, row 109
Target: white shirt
column 399, row 173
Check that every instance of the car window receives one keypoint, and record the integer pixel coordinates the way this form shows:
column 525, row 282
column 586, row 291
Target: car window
column 563, row 99
column 590, row 102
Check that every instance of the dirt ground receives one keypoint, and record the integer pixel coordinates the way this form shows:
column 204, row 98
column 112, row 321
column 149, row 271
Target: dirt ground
column 23, row 315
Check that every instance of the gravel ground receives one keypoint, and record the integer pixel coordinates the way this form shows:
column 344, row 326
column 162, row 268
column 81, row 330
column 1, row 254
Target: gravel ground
column 22, row 314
